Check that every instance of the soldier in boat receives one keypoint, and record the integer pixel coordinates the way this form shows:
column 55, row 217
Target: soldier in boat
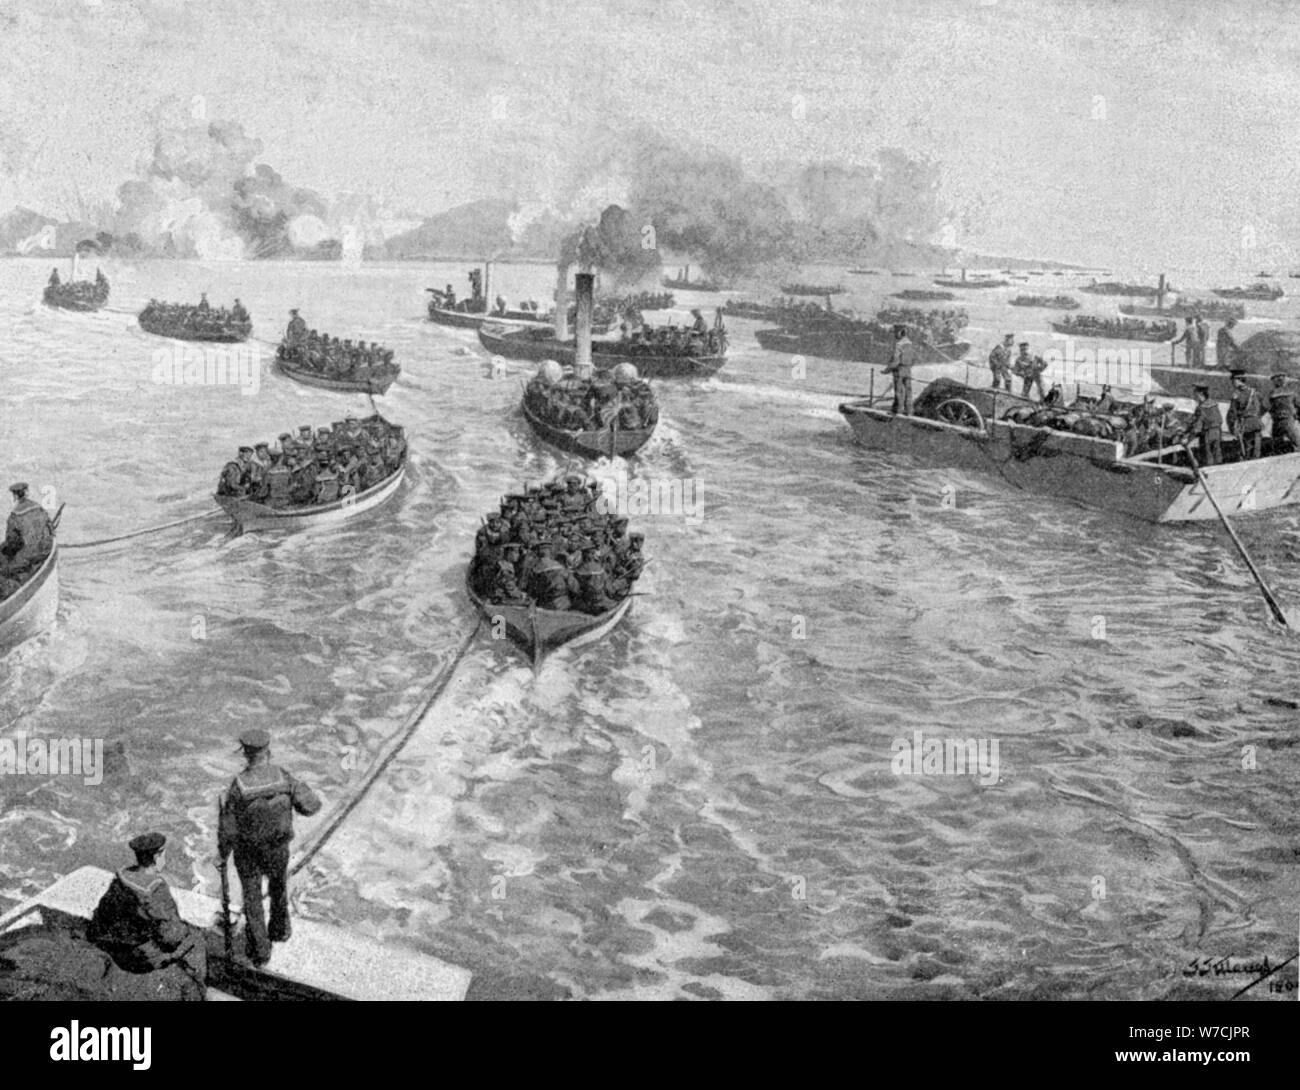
column 1000, row 362
column 505, row 579
column 593, row 581
column 550, row 584
column 29, row 537
column 1282, row 410
column 256, row 824
column 1188, row 340
column 1207, row 426
column 137, row 923
column 235, row 477
column 1030, row 369
column 54, row 278
column 296, row 333
column 1225, row 345
column 278, row 481
column 901, row 361
column 203, row 305
column 1245, row 415
column 628, row 569
column 238, row 313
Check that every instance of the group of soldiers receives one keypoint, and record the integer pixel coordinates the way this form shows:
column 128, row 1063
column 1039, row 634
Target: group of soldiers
column 697, row 339
column 550, row 546
column 1245, row 419
column 84, row 290
column 926, row 326
column 1029, row 368
column 199, row 318
column 29, row 539
column 330, row 356
column 1134, row 329
column 316, row 467
column 575, row 404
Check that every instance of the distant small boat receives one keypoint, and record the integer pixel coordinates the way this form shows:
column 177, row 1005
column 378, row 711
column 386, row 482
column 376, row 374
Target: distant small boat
column 813, row 289
column 32, row 607
column 921, row 295
column 375, row 382
column 1123, row 329
column 537, row 344
column 1212, row 310
column 864, row 272
column 683, row 282
column 1141, row 291
column 183, row 322
column 79, row 295
column 250, row 515
column 981, row 282
column 1047, row 302
column 1263, row 292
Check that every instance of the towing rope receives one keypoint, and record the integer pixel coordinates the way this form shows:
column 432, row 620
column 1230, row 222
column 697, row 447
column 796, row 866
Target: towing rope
column 141, row 533
column 319, row 836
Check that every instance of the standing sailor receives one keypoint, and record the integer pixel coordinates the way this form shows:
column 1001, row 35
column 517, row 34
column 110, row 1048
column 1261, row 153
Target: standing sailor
column 1000, row 362
column 1188, row 340
column 1244, row 415
column 1030, row 369
column 1207, row 425
column 137, row 923
column 257, row 825
column 1281, row 407
column 1225, row 347
column 901, row 360
column 297, row 330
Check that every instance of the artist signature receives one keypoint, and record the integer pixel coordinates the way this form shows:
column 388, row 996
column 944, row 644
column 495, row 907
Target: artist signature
column 1226, row 965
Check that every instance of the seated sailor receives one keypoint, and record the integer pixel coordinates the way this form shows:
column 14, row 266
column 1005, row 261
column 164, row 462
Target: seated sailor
column 137, row 923
column 29, row 534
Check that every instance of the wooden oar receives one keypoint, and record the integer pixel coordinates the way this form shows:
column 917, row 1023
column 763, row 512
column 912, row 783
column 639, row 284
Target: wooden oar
column 1269, row 596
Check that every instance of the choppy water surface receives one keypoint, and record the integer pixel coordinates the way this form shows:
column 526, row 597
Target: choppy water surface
column 702, row 805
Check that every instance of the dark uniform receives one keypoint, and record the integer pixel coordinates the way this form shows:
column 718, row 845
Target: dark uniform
column 1030, row 369
column 1281, row 407
column 549, row 583
column 29, row 535
column 1245, row 419
column 257, row 825
column 1207, row 425
column 137, row 923
column 237, row 475
column 1000, row 364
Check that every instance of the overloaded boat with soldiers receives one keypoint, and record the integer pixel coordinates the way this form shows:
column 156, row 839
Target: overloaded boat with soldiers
column 79, row 295
column 1123, row 329
column 575, row 585
column 1125, row 459
column 1266, row 293
column 1212, row 310
column 1113, row 287
column 199, row 322
column 922, row 295
column 789, row 312
column 316, row 479
column 935, row 334
column 663, row 353
column 317, row 359
column 1047, row 302
column 606, row 416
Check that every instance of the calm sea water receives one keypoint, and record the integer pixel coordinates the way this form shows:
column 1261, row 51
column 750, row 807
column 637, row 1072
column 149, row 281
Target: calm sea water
column 703, row 804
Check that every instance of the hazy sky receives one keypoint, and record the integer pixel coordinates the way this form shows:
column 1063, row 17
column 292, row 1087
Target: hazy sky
column 1141, row 135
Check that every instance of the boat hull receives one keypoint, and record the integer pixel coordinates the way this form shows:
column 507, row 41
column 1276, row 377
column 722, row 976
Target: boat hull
column 459, row 319
column 32, row 608
column 249, row 515
column 230, row 334
column 1082, row 469
column 82, row 303
column 378, row 384
column 1161, row 336
column 858, row 347
column 538, row 632
column 528, row 344
column 606, row 443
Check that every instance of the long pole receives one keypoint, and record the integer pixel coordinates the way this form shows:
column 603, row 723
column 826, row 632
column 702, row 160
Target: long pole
column 1269, row 596
column 227, row 927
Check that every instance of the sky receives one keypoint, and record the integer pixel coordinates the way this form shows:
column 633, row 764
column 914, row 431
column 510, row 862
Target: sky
column 1141, row 135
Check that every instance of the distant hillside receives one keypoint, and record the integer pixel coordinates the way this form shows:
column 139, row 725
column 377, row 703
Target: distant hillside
column 22, row 228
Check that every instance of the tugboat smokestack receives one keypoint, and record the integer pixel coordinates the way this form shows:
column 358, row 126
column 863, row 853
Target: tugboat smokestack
column 562, row 303
column 586, row 283
column 487, row 286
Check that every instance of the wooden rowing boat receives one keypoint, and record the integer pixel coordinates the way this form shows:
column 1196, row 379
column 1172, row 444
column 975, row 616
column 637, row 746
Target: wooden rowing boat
column 538, row 345
column 857, row 345
column 1135, row 330
column 228, row 332
column 461, row 319
column 983, row 282
column 376, row 382
column 609, row 442
column 319, row 961
column 31, row 609
column 249, row 515
column 540, row 631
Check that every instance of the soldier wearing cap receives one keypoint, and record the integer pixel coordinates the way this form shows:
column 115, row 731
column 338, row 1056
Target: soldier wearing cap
column 256, row 824
column 297, row 328
column 628, row 568
column 1030, row 369
column 29, row 534
column 1245, row 415
column 593, row 581
column 549, row 582
column 1225, row 346
column 1207, row 426
column 236, row 475
column 1000, row 362
column 901, row 361
column 137, row 923
column 1282, row 410
column 505, row 579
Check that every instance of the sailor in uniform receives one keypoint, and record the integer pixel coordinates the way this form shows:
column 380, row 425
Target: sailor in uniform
column 29, row 534
column 137, row 923
column 1245, row 415
column 256, row 824
column 297, row 330
column 901, row 360
column 1281, row 407
column 1207, row 426
column 1000, row 362
column 236, row 475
